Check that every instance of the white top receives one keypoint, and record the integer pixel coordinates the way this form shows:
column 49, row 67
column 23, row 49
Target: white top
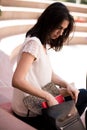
column 39, row 74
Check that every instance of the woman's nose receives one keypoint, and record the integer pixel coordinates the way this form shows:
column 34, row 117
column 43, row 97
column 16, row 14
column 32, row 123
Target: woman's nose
column 61, row 31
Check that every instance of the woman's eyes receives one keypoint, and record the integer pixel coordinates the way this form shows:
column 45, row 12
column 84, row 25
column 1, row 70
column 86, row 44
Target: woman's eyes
column 59, row 27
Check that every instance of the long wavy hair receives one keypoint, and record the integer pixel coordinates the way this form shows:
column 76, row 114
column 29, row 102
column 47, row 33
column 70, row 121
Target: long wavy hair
column 50, row 19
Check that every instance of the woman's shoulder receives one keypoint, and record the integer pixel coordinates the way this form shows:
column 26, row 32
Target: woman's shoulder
column 31, row 45
column 33, row 39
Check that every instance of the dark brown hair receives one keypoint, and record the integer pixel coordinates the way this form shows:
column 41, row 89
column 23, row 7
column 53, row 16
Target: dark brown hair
column 49, row 20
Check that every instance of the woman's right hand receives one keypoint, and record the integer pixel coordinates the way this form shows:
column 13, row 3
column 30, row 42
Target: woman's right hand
column 51, row 101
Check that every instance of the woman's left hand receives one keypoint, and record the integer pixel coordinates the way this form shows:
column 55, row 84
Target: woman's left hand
column 70, row 90
column 73, row 91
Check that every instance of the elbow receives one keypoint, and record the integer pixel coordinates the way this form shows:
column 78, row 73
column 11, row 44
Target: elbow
column 16, row 82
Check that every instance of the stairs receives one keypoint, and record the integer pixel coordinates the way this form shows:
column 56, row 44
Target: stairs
column 20, row 15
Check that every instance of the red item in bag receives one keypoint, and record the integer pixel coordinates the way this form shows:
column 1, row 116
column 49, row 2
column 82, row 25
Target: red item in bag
column 59, row 98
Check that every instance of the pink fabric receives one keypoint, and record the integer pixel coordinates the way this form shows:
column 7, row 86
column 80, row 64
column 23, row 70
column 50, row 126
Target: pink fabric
column 6, row 94
column 6, row 98
column 5, row 70
column 6, row 106
column 10, row 122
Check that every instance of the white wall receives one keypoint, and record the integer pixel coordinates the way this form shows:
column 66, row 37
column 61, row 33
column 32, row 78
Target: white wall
column 71, row 64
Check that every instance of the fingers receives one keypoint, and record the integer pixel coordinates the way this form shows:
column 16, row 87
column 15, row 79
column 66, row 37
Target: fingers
column 76, row 96
column 52, row 102
column 72, row 95
column 73, row 92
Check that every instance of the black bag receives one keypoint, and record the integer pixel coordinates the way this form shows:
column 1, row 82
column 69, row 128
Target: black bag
column 63, row 116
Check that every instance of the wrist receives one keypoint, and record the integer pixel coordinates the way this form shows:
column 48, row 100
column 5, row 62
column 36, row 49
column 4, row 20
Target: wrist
column 47, row 96
column 63, row 84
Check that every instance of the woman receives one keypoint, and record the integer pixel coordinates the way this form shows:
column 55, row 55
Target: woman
column 34, row 70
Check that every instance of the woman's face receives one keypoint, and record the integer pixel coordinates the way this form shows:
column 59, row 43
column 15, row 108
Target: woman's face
column 59, row 31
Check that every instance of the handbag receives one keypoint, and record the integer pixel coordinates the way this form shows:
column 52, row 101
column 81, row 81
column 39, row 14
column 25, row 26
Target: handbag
column 34, row 104
column 63, row 116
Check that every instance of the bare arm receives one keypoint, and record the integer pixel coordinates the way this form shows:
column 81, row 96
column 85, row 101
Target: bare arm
column 66, row 88
column 58, row 80
column 19, row 79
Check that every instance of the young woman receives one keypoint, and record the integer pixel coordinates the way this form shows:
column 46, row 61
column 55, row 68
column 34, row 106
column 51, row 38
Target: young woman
column 34, row 70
